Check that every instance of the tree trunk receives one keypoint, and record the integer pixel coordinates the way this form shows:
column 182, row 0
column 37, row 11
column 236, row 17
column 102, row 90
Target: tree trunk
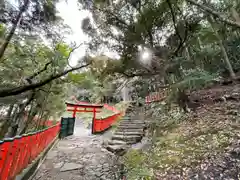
column 7, row 122
column 31, row 117
column 13, row 29
column 18, row 117
column 224, row 52
column 29, row 120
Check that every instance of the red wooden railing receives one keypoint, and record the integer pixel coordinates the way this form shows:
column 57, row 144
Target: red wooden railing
column 156, row 96
column 111, row 108
column 16, row 153
column 100, row 125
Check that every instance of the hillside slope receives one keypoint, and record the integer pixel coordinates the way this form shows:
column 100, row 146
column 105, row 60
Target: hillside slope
column 204, row 144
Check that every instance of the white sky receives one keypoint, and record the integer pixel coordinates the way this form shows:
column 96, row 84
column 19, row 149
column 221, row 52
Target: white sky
column 73, row 17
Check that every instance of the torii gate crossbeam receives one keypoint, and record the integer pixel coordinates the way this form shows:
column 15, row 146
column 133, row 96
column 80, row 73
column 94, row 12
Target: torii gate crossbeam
column 83, row 108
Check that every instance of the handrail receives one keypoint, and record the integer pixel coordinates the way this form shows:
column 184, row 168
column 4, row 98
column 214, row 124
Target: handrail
column 16, row 153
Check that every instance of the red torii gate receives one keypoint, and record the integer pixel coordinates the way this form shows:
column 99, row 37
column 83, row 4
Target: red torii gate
column 98, row 125
column 83, row 108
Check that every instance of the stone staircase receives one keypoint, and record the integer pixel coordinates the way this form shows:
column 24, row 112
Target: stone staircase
column 129, row 131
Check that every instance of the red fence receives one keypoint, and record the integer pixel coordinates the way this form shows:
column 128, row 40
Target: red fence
column 16, row 153
column 156, row 96
column 100, row 125
column 111, row 108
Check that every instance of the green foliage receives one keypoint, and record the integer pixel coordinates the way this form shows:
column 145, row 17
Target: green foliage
column 193, row 79
column 63, row 49
column 79, row 78
column 99, row 79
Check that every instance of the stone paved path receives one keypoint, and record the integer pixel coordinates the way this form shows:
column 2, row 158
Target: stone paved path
column 79, row 157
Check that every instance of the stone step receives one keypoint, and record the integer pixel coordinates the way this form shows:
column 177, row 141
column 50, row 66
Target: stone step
column 127, row 138
column 130, row 127
column 132, row 124
column 126, row 117
column 118, row 142
column 135, row 121
column 129, row 130
column 117, row 149
column 131, row 120
column 139, row 133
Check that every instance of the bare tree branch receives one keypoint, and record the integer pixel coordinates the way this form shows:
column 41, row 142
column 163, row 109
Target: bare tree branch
column 40, row 71
column 29, row 79
column 182, row 40
column 174, row 20
column 70, row 53
column 21, row 89
column 215, row 14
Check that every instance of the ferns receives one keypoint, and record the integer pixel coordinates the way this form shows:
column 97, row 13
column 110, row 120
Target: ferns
column 193, row 79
